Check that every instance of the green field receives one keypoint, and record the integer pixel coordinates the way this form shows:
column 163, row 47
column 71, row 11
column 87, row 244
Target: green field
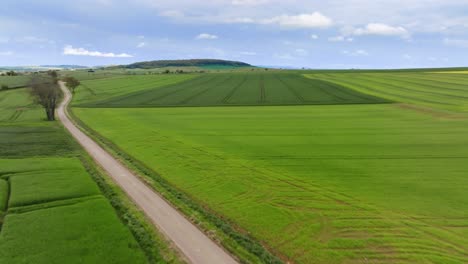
column 366, row 183
column 51, row 211
column 14, row 81
column 320, row 185
column 236, row 89
column 445, row 91
column 95, row 90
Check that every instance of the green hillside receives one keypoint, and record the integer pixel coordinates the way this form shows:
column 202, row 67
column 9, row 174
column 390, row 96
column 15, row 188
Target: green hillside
column 185, row 63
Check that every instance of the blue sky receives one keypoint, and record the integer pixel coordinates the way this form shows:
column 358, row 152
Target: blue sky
column 300, row 33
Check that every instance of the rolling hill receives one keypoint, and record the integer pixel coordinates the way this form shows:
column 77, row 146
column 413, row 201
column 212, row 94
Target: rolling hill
column 185, row 63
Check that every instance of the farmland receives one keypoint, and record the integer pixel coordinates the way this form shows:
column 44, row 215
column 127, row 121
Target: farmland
column 446, row 91
column 51, row 210
column 13, row 81
column 346, row 179
column 95, row 90
column 239, row 89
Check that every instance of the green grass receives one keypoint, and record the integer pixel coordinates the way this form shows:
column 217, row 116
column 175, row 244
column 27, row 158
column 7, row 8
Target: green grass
column 51, row 185
column 446, row 91
column 238, row 89
column 95, row 90
column 84, row 232
column 317, row 184
column 56, row 212
column 51, row 211
column 14, row 81
column 3, row 195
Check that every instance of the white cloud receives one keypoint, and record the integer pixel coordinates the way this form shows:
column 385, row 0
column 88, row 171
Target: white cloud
column 248, row 53
column 301, row 52
column 206, row 36
column 249, row 2
column 407, row 57
column 33, row 39
column 313, row 20
column 340, row 39
column 69, row 50
column 359, row 52
column 172, row 14
column 381, row 30
column 283, row 56
column 313, row 36
column 462, row 43
column 141, row 45
column 6, row 53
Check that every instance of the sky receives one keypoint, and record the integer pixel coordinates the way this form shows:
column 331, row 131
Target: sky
column 293, row 33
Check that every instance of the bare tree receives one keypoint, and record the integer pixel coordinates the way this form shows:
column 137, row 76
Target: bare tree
column 72, row 83
column 46, row 92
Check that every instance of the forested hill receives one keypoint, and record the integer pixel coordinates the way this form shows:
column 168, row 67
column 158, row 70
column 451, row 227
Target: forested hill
column 185, row 63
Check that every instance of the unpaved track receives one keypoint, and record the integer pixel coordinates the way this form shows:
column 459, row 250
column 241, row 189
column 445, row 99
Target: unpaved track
column 193, row 243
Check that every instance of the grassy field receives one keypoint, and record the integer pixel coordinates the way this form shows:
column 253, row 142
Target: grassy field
column 3, row 195
column 14, row 81
column 53, row 211
column 95, row 90
column 318, row 184
column 446, row 91
column 233, row 89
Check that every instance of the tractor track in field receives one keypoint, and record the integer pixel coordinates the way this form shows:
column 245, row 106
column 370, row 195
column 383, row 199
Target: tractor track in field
column 195, row 95
column 180, row 88
column 233, row 91
column 189, row 240
column 262, row 90
column 15, row 115
column 292, row 90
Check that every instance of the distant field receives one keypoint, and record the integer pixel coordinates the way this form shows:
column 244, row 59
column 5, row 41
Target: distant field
column 454, row 72
column 318, row 184
column 445, row 91
column 99, row 89
column 51, row 211
column 233, row 89
column 14, row 81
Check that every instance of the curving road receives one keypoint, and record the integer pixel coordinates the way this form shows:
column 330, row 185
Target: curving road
column 193, row 243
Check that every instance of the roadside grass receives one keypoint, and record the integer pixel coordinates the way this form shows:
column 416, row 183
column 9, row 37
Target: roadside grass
column 53, row 212
column 235, row 89
column 94, row 90
column 441, row 91
column 85, row 232
column 316, row 184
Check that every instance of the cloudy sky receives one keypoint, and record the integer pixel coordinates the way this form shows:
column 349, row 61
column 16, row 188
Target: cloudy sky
column 301, row 33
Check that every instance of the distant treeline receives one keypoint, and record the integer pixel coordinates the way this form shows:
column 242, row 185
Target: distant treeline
column 184, row 63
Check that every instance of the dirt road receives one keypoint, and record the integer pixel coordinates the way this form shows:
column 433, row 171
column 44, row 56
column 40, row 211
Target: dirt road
column 193, row 243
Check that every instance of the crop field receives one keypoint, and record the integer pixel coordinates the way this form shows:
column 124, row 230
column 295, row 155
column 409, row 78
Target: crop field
column 95, row 90
column 14, row 81
column 318, row 184
column 51, row 211
column 446, row 91
column 226, row 89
